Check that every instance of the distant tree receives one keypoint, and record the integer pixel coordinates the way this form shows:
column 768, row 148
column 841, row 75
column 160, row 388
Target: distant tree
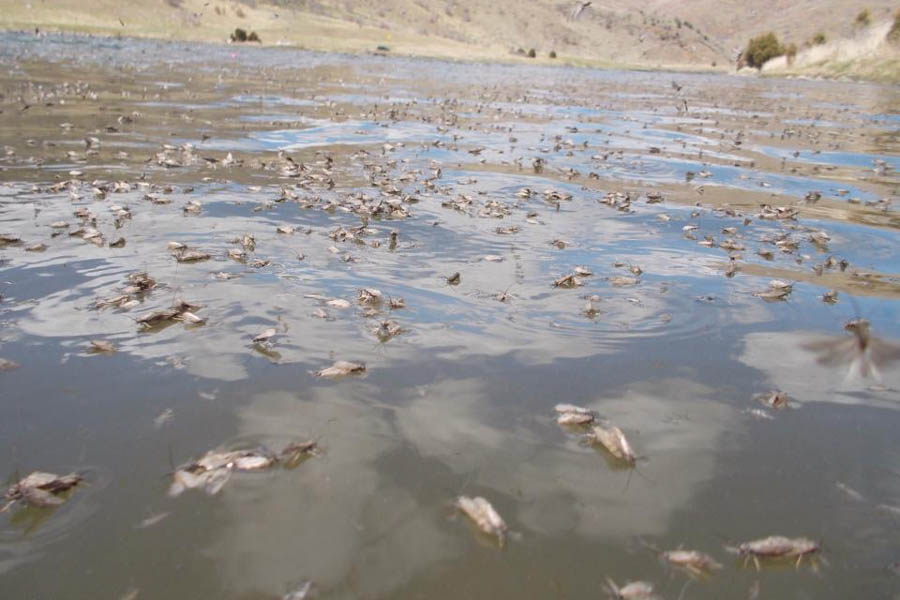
column 532, row 53
column 893, row 35
column 863, row 18
column 761, row 49
column 818, row 39
column 790, row 52
column 552, row 54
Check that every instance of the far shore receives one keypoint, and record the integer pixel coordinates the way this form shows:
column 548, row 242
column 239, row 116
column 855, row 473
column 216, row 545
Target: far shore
column 330, row 35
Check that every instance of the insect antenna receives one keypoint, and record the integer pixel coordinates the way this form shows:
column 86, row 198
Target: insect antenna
column 468, row 480
column 727, row 543
column 856, row 312
column 648, row 545
column 684, row 588
column 171, row 457
column 16, row 476
column 174, row 278
column 380, row 346
column 633, row 469
column 627, row 481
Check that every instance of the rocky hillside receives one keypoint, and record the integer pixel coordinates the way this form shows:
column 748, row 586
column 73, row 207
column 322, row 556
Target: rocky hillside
column 697, row 34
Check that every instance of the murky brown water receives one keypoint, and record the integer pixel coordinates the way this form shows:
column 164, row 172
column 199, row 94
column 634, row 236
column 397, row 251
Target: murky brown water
column 347, row 150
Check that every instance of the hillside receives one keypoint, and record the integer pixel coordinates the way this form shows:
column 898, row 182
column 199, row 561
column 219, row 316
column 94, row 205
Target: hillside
column 650, row 33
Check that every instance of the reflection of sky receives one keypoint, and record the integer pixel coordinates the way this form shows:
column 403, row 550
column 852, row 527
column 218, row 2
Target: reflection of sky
column 563, row 488
column 450, row 405
column 334, row 518
column 358, row 522
column 831, row 157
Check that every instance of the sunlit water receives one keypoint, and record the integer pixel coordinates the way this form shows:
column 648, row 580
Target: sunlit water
column 461, row 401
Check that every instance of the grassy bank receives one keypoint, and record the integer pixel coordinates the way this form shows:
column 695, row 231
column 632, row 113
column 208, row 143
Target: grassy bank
column 620, row 43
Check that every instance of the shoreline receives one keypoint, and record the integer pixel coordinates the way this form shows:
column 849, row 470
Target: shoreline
column 474, row 58
column 442, row 51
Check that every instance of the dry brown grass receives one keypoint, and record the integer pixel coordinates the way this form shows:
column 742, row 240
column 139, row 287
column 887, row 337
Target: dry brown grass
column 650, row 33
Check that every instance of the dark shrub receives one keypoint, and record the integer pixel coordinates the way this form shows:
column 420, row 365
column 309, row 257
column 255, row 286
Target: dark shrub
column 762, row 48
column 790, row 51
column 893, row 35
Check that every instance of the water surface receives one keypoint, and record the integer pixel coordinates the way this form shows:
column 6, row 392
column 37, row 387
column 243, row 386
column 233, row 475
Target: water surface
column 461, row 401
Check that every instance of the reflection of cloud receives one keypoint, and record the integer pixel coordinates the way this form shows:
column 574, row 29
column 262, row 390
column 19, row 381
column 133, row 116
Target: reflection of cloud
column 793, row 369
column 332, row 519
column 447, row 420
column 569, row 487
column 341, row 520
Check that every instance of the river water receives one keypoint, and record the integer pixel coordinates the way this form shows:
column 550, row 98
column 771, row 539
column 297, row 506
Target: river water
column 511, row 176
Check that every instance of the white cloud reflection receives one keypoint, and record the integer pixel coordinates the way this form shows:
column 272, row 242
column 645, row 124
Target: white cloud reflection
column 345, row 521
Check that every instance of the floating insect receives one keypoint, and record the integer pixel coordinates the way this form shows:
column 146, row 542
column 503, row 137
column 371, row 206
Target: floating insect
column 634, row 590
column 103, row 346
column 341, row 368
column 569, row 414
column 369, row 296
column 213, row 470
column 774, row 399
column 623, row 281
column 778, row 290
column 615, row 442
column 697, row 563
column 41, row 489
column 568, row 281
column 484, row 516
column 264, row 336
column 776, row 547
